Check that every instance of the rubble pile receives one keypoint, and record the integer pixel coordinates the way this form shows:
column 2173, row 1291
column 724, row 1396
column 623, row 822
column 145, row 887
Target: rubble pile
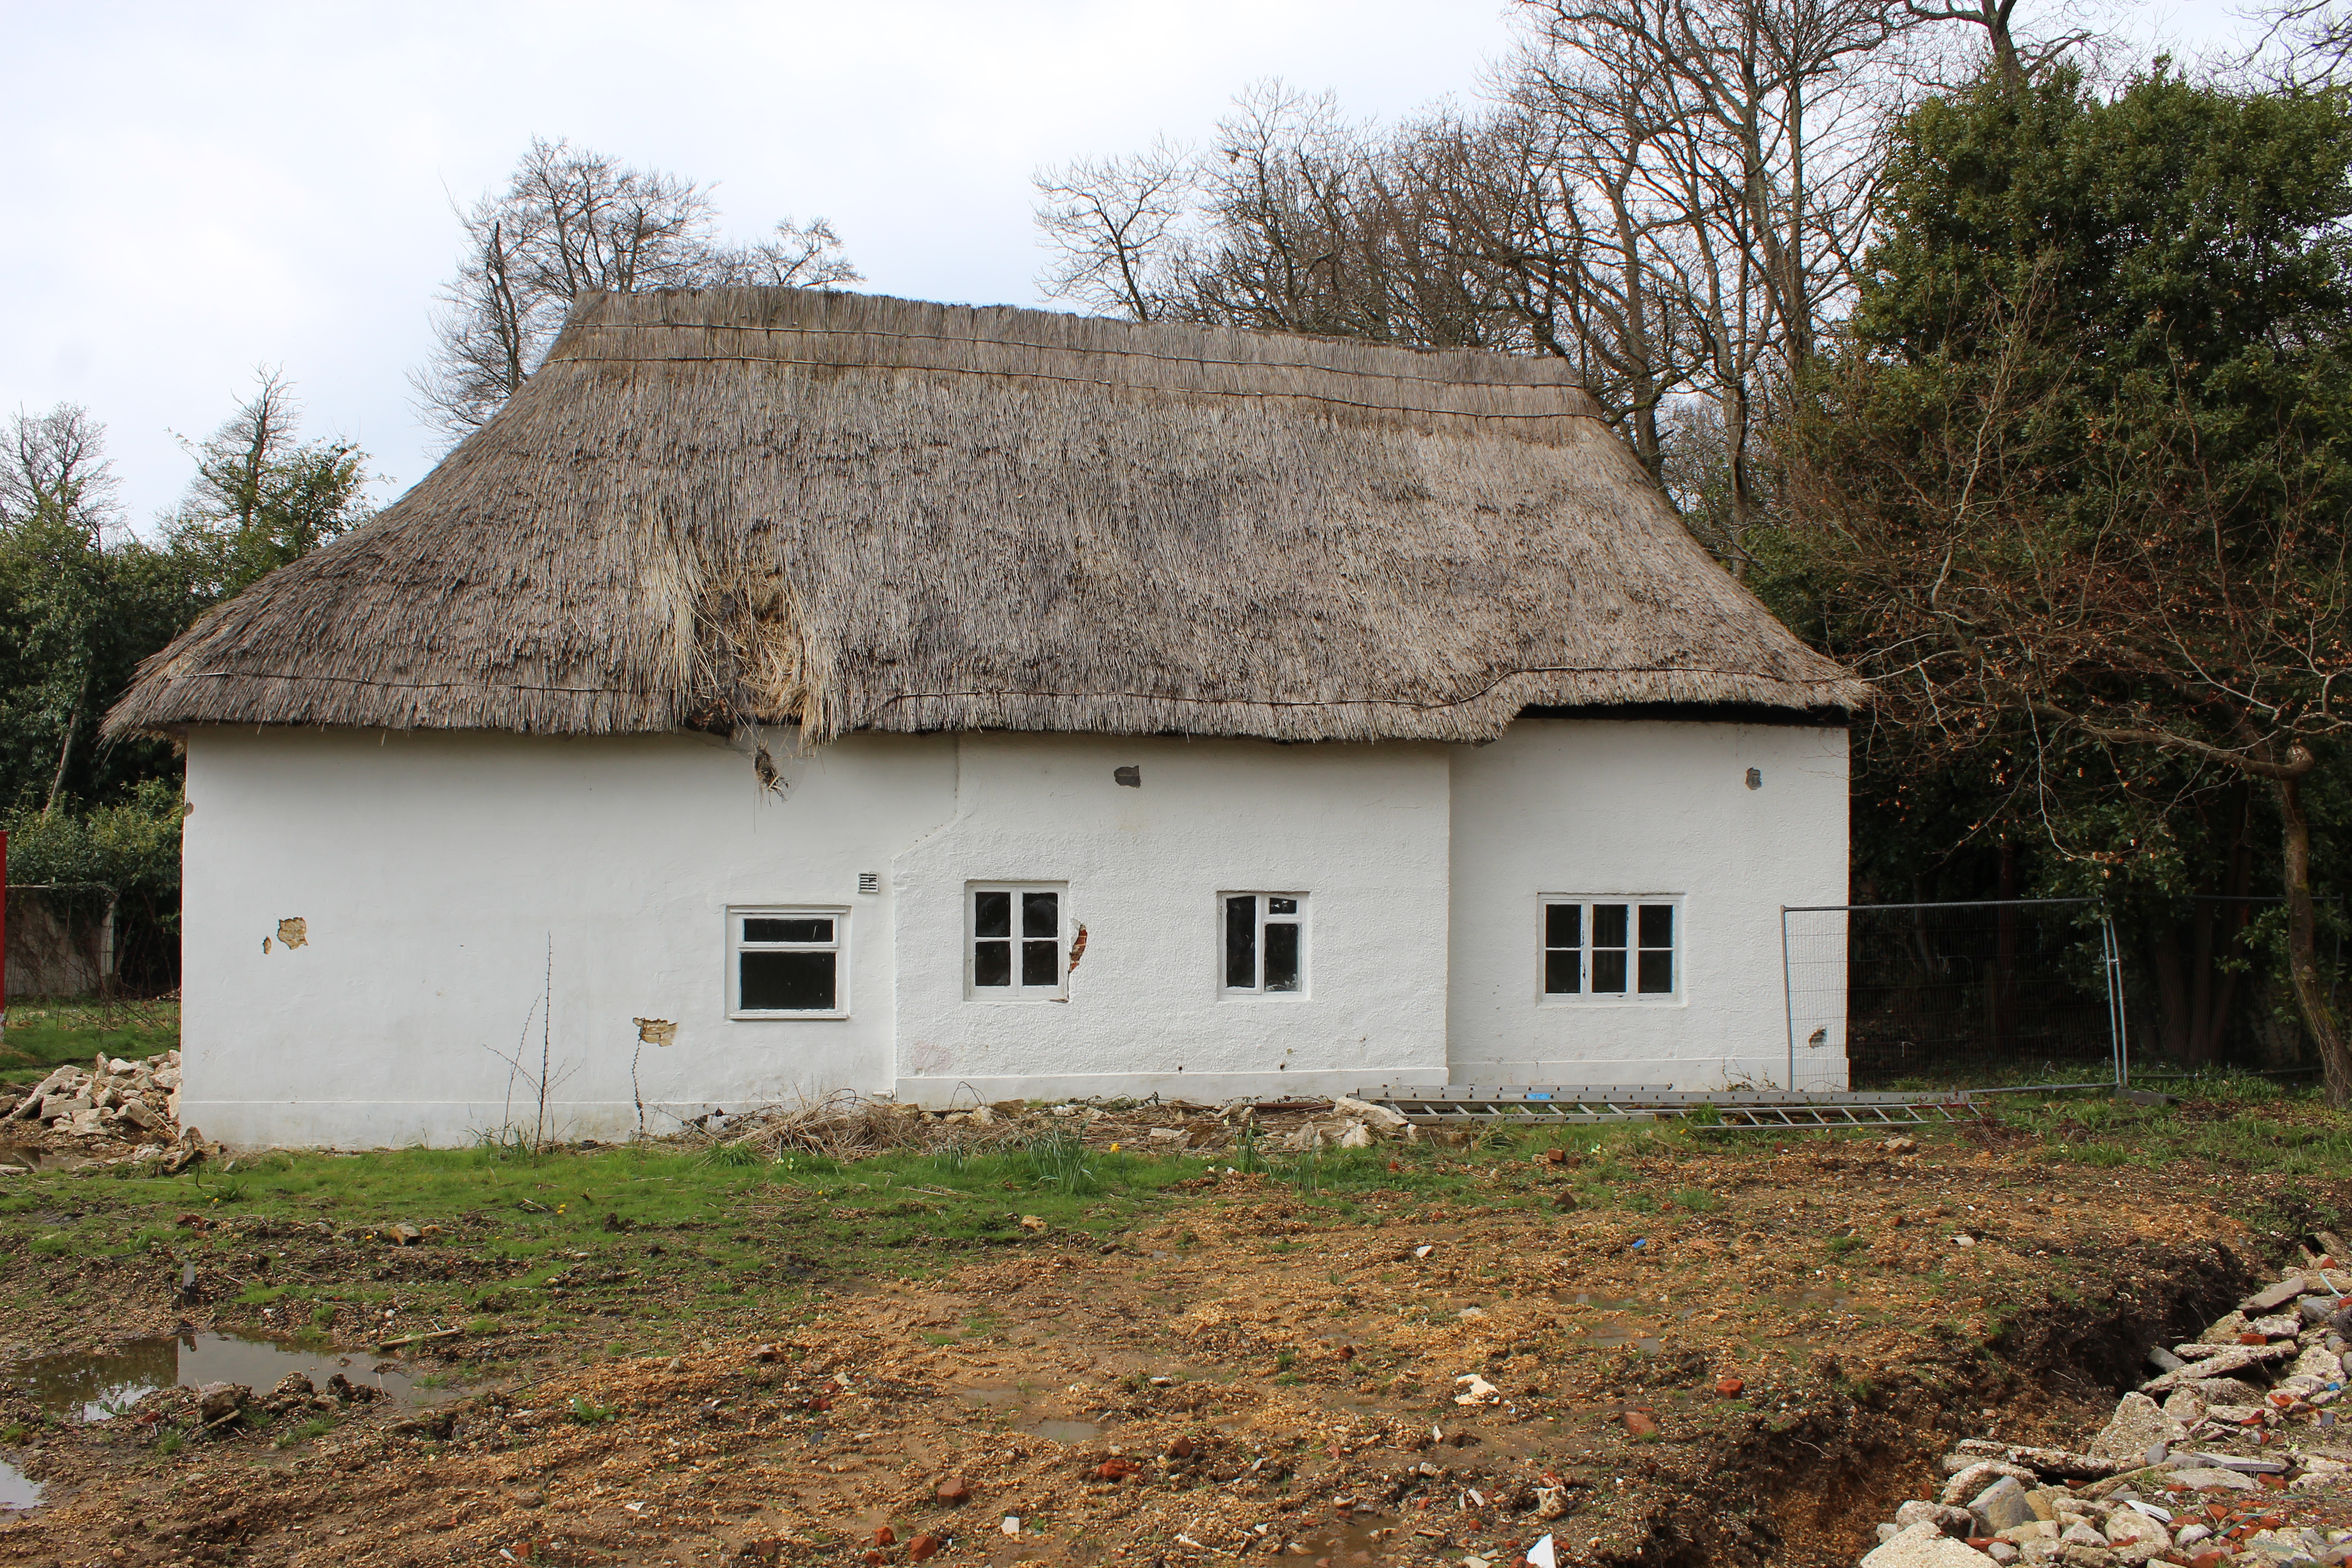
column 2207, row 1476
column 126, row 1102
column 846, row 1126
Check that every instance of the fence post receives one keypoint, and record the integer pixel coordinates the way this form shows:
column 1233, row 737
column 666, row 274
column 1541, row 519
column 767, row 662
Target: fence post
column 2118, row 1029
column 1788, row 997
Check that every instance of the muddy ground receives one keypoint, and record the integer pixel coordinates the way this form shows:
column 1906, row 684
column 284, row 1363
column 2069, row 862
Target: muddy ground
column 1750, row 1354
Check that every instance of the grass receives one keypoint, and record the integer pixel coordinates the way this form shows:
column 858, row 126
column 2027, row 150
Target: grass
column 44, row 1033
column 613, row 1229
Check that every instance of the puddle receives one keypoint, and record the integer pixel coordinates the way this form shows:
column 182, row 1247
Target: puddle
column 993, row 1399
column 17, row 1489
column 95, row 1387
column 1066, row 1431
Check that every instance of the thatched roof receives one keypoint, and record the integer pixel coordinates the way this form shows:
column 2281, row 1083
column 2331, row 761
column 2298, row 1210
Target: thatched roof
column 862, row 513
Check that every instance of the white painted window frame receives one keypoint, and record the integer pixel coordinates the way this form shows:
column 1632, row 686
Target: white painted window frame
column 737, row 946
column 1016, row 993
column 1303, row 921
column 1585, row 996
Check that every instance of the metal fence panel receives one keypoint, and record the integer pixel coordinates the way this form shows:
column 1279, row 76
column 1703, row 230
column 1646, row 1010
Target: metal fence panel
column 2005, row 993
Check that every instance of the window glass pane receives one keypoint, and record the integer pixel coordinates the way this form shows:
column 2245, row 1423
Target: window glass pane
column 1282, row 906
column 787, row 982
column 787, row 928
column 1241, row 943
column 1041, row 963
column 1282, row 956
column 1563, row 971
column 1657, row 926
column 1041, row 914
column 991, row 963
column 1657, row 971
column 992, row 914
column 1563, row 927
column 1609, row 926
column 1607, row 971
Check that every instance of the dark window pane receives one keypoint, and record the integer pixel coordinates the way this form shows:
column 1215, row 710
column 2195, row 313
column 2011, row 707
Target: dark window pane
column 1563, row 926
column 991, row 963
column 1282, row 956
column 1041, row 963
column 1658, row 925
column 1241, row 943
column 1564, row 968
column 992, row 914
column 1658, row 971
column 787, row 982
column 1608, row 973
column 1041, row 914
column 1608, row 927
column 1282, row 906
column 795, row 927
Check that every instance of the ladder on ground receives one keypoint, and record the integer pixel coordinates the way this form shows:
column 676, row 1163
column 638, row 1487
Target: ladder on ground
column 1532, row 1106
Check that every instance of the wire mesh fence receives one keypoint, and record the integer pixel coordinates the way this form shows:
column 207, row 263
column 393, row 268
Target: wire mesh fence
column 2002, row 994
column 61, row 939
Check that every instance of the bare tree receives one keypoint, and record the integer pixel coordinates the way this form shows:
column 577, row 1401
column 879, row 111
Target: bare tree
column 1112, row 224
column 570, row 222
column 56, row 468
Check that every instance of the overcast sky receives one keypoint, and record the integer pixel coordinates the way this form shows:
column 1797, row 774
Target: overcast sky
column 194, row 189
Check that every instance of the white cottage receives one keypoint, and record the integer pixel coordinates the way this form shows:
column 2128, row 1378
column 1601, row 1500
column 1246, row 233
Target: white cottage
column 795, row 692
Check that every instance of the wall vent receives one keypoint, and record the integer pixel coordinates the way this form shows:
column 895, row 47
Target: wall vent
column 869, row 882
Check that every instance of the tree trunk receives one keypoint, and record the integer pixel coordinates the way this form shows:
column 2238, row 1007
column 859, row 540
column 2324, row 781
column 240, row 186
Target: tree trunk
column 65, row 748
column 2302, row 944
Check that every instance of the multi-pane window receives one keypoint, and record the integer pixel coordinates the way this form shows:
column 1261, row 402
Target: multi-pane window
column 788, row 962
column 1265, row 944
column 1015, row 949
column 1607, row 948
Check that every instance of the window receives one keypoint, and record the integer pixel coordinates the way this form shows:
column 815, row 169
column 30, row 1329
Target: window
column 1266, row 944
column 788, row 964
column 1610, row 949
column 1013, row 950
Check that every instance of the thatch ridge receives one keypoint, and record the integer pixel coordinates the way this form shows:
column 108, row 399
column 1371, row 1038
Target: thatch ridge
column 874, row 513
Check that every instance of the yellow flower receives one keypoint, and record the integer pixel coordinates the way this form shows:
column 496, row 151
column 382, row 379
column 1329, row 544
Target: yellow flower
column 561, row 1207
column 1114, row 1147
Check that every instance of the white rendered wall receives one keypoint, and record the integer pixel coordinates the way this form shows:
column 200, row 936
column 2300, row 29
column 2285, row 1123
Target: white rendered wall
column 1603, row 807
column 433, row 872
column 1361, row 830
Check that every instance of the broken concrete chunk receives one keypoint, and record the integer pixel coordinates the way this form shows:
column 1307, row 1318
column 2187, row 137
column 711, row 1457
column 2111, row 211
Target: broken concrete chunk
column 1956, row 1523
column 2272, row 1297
column 219, row 1401
column 2000, row 1506
column 31, row 1107
column 2135, row 1538
column 1923, row 1546
column 2234, row 1358
column 2139, row 1424
column 1981, row 1474
column 2184, row 1406
column 1370, row 1115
